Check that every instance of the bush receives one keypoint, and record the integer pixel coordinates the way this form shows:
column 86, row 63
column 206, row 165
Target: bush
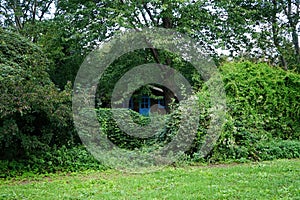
column 121, row 138
column 264, row 98
column 278, row 149
column 263, row 105
column 34, row 114
column 61, row 159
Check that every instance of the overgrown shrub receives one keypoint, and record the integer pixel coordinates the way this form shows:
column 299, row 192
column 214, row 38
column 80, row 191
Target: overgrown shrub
column 262, row 109
column 264, row 98
column 121, row 138
column 63, row 159
column 34, row 114
column 263, row 106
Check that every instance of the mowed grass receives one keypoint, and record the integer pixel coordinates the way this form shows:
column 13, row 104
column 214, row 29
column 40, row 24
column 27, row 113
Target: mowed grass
column 265, row 180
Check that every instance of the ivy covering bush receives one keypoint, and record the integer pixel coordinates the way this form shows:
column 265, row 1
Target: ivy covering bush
column 117, row 136
column 34, row 114
column 263, row 109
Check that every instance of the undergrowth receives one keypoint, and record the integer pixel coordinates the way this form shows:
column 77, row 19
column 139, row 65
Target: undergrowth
column 262, row 123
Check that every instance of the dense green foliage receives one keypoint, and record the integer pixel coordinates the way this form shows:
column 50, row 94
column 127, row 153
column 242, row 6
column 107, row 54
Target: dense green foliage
column 262, row 121
column 55, row 159
column 62, row 48
column 262, row 118
column 263, row 109
column 265, row 98
column 128, row 61
column 34, row 114
column 110, row 128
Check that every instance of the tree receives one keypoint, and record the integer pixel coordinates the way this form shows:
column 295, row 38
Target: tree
column 292, row 12
column 23, row 15
column 119, row 15
column 268, row 28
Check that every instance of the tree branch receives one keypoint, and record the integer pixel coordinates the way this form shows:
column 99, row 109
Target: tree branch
column 144, row 17
column 45, row 10
column 149, row 13
column 34, row 11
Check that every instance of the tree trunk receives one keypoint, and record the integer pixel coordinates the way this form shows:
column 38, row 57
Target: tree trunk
column 169, row 96
column 292, row 22
column 296, row 46
column 275, row 33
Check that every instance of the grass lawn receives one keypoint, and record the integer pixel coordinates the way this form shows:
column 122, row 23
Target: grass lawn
column 265, row 180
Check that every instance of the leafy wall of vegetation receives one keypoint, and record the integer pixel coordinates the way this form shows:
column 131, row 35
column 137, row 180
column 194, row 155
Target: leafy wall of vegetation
column 34, row 113
column 262, row 120
column 263, row 113
column 37, row 133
